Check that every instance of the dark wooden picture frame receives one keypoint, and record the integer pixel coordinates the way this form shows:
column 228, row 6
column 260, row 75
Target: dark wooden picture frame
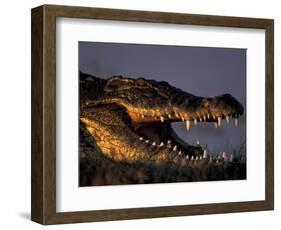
column 43, row 208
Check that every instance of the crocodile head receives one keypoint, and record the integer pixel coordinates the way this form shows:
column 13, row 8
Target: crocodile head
column 131, row 119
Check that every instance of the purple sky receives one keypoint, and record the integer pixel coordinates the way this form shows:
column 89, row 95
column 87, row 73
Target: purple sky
column 201, row 71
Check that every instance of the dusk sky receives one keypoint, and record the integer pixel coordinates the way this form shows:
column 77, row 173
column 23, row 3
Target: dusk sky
column 201, row 71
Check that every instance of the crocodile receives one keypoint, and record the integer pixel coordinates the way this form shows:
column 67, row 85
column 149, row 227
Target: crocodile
column 129, row 120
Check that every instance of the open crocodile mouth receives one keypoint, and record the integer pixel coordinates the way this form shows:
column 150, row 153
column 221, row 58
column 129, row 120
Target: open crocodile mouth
column 154, row 127
column 150, row 132
column 132, row 120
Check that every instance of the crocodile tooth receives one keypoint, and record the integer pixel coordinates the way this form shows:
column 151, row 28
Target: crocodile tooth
column 236, row 122
column 141, row 138
column 223, row 155
column 154, row 143
column 175, row 148
column 147, row 141
column 214, row 117
column 219, row 121
column 200, row 158
column 231, row 158
column 216, row 125
column 195, row 121
column 204, row 117
column 192, row 158
column 205, row 154
column 187, row 157
column 170, row 116
column 142, row 116
column 187, row 124
column 196, row 158
column 208, row 115
column 180, row 152
column 200, row 119
column 182, row 118
column 197, row 142
column 162, row 119
column 169, row 142
column 227, row 119
column 161, row 144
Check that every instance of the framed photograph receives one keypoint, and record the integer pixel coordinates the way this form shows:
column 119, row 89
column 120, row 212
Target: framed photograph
column 140, row 114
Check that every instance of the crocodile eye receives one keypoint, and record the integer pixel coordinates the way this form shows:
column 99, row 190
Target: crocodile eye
column 142, row 82
column 118, row 83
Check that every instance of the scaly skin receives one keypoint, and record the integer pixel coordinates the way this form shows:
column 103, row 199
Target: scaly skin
column 130, row 119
